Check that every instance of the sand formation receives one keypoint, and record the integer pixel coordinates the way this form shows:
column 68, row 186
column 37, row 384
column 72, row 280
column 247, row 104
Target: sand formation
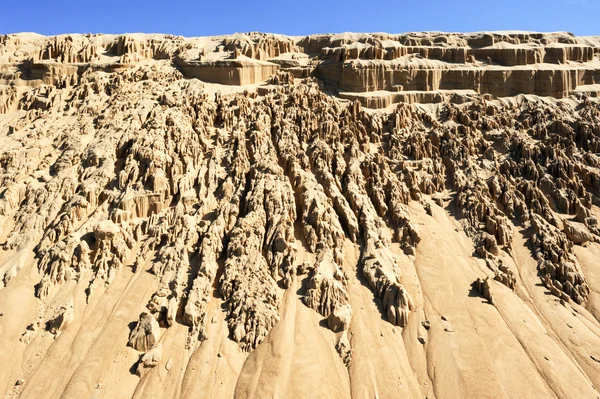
column 325, row 216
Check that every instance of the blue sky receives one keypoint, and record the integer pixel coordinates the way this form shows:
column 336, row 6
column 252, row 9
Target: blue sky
column 209, row 17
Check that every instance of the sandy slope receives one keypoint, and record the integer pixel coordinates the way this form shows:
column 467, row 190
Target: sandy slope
column 526, row 347
column 163, row 237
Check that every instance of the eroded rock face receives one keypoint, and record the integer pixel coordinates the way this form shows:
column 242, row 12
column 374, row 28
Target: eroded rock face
column 149, row 360
column 117, row 160
column 62, row 320
column 339, row 318
column 145, row 334
column 483, row 286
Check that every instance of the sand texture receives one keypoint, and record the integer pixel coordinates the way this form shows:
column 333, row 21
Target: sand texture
column 329, row 216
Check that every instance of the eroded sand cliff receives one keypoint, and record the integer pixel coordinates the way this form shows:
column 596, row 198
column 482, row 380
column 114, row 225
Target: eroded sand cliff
column 325, row 216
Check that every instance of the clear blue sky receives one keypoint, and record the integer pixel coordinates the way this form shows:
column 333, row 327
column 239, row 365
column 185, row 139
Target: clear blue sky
column 209, row 17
